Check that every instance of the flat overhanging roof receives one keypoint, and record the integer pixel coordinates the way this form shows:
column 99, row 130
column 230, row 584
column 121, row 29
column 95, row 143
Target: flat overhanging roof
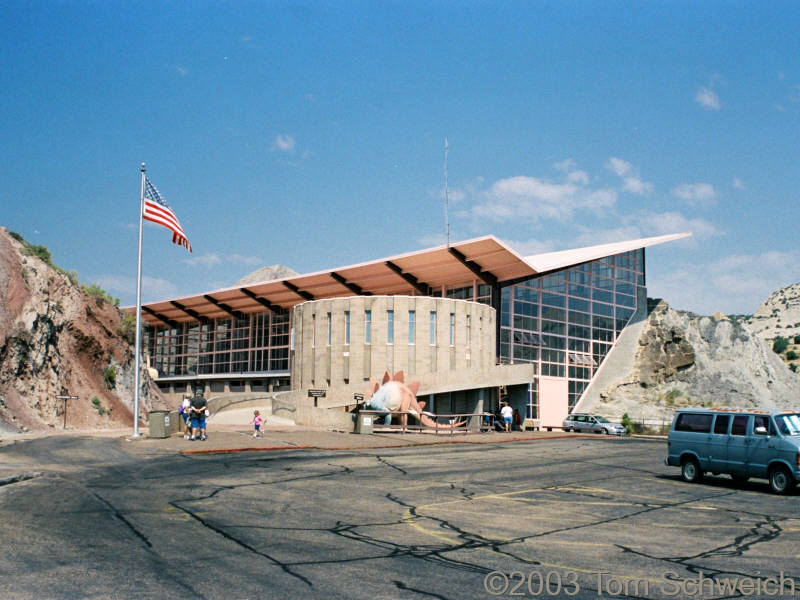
column 486, row 259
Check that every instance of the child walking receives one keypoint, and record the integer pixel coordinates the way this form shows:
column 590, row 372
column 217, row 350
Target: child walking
column 256, row 422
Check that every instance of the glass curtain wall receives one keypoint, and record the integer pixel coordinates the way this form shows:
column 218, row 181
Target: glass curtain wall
column 257, row 343
column 566, row 322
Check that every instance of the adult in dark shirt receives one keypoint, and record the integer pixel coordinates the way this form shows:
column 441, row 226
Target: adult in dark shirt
column 198, row 408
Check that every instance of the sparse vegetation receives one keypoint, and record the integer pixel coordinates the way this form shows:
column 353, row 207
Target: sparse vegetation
column 101, row 410
column 99, row 294
column 110, row 377
column 780, row 344
column 671, row 396
column 127, row 327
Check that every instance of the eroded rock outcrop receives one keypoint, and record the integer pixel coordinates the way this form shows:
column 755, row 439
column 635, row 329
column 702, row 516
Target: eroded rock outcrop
column 685, row 359
column 57, row 340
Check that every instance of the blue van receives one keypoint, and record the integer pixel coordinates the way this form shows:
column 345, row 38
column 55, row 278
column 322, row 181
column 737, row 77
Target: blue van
column 740, row 442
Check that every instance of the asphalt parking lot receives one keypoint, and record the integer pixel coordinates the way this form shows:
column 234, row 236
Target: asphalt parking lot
column 571, row 517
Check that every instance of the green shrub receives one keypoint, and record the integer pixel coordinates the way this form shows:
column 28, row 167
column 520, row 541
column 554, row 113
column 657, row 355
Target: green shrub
column 791, row 355
column 96, row 401
column 780, row 344
column 793, row 367
column 99, row 294
column 671, row 396
column 17, row 236
column 797, row 337
column 110, row 377
column 127, row 327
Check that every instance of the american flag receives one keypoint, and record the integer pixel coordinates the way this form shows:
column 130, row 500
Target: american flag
column 158, row 211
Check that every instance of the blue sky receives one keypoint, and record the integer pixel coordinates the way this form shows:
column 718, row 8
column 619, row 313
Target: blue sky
column 311, row 134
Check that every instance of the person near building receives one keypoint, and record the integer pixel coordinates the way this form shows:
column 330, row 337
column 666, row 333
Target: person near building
column 183, row 411
column 508, row 414
column 199, row 408
column 256, row 422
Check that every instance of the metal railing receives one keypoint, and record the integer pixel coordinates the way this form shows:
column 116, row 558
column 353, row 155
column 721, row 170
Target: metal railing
column 472, row 422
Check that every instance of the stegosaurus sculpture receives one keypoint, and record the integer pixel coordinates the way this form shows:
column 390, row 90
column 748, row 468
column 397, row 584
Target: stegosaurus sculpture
column 392, row 395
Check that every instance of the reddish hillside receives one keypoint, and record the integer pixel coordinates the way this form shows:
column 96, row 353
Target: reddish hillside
column 57, row 339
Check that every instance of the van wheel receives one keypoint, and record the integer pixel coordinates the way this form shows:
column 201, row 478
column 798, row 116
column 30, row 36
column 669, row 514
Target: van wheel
column 780, row 480
column 690, row 470
column 603, row 431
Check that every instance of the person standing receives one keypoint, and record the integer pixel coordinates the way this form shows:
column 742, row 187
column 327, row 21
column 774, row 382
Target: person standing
column 184, row 410
column 256, row 422
column 508, row 414
column 199, row 407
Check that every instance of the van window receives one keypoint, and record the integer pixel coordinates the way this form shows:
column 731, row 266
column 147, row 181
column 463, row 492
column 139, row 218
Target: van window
column 789, row 424
column 739, row 426
column 763, row 421
column 721, row 424
column 699, row 423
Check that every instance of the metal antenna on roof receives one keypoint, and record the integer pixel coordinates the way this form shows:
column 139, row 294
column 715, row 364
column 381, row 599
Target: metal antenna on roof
column 446, row 194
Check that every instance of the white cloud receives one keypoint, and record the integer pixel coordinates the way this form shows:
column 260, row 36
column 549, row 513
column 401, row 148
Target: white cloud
column 674, row 222
column 573, row 175
column 637, row 186
column 632, row 182
column 619, row 166
column 213, row 259
column 580, row 177
column 532, row 246
column 152, row 287
column 696, row 194
column 708, row 98
column 243, row 259
column 736, row 284
column 284, row 143
column 207, row 260
column 565, row 166
column 738, row 183
column 594, row 237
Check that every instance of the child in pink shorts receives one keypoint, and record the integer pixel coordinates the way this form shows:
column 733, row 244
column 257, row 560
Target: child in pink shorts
column 256, row 422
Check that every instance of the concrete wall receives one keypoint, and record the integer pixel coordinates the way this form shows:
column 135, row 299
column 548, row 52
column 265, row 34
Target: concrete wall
column 318, row 364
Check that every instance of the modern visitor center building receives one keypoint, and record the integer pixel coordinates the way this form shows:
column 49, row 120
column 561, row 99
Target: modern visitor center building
column 474, row 322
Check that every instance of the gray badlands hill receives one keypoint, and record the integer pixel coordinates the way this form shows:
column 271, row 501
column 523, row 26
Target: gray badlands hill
column 677, row 358
column 59, row 339
column 778, row 315
column 266, row 274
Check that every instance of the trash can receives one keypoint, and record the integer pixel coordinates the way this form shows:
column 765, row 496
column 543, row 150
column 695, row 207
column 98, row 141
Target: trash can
column 364, row 423
column 159, row 422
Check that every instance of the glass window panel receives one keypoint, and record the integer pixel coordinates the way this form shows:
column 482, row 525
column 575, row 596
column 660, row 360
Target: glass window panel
column 553, row 299
column 602, row 309
column 579, row 304
column 579, row 318
column 551, row 341
column 556, row 282
column 602, row 295
column 553, row 327
column 624, row 287
column 554, row 314
column 626, row 300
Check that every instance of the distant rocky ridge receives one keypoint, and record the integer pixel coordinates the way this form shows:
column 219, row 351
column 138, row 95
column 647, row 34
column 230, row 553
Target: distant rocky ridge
column 778, row 315
column 266, row 274
column 685, row 359
column 55, row 339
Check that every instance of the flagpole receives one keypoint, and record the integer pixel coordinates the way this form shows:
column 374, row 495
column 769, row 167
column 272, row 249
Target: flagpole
column 138, row 312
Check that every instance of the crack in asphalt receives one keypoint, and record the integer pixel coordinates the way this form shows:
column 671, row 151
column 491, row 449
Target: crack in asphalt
column 402, row 586
column 388, row 464
column 118, row 514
